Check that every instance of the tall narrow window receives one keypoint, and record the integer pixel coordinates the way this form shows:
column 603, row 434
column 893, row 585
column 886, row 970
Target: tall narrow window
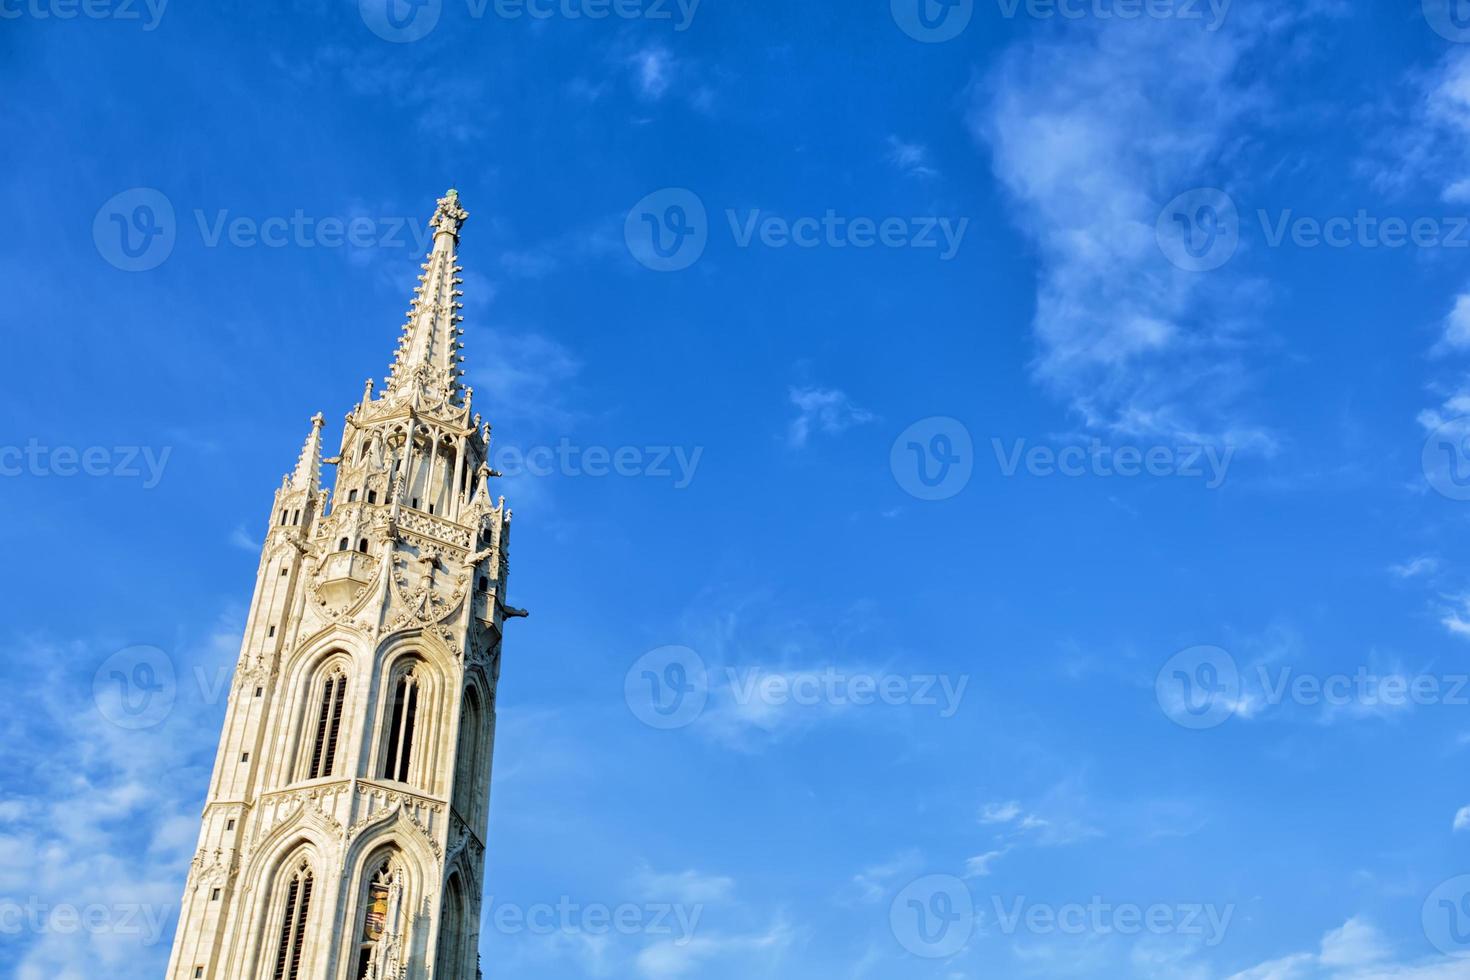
column 467, row 772
column 400, row 728
column 374, row 918
column 328, row 725
column 293, row 926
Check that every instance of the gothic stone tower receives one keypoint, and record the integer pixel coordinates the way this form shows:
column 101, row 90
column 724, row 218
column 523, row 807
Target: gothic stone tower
column 344, row 830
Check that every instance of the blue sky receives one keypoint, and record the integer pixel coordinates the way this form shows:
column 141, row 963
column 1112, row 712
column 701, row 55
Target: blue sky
column 1223, row 249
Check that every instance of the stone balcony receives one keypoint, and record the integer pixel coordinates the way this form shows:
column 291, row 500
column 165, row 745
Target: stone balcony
column 343, row 573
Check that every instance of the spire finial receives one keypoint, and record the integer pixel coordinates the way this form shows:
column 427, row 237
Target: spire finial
column 428, row 356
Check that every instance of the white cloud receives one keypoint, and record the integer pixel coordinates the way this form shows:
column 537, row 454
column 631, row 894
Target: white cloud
column 910, row 158
column 979, row 865
column 1456, row 616
column 671, row 960
column 653, row 69
column 826, row 410
column 879, row 881
column 1423, row 565
column 1091, row 134
column 239, row 538
column 1462, row 819
column 1457, row 325
column 1000, row 812
column 687, row 887
column 1355, row 951
column 104, row 817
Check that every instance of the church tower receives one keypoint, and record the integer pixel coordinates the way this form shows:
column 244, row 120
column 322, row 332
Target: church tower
column 344, row 832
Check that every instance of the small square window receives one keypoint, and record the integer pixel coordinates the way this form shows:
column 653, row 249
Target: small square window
column 198, row 971
column 372, row 496
column 245, row 757
column 259, row 691
column 230, row 825
column 283, row 571
column 214, row 895
column 272, row 632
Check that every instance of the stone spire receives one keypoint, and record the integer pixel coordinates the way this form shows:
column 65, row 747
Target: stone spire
column 308, row 475
column 426, row 367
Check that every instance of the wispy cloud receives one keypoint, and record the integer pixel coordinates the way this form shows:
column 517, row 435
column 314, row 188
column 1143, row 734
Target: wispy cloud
column 524, row 375
column 825, row 410
column 91, row 822
column 1091, row 134
column 911, row 159
column 1414, row 567
column 1357, row 950
column 653, row 71
column 671, row 960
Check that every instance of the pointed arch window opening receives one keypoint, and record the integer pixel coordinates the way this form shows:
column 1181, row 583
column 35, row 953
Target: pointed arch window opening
column 329, row 725
column 376, row 942
column 403, row 718
column 292, row 940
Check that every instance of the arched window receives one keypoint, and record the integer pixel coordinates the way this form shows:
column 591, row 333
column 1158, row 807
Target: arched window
column 379, row 917
column 362, row 545
column 293, row 924
column 343, row 545
column 452, row 929
column 467, row 768
column 328, row 724
column 401, row 721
